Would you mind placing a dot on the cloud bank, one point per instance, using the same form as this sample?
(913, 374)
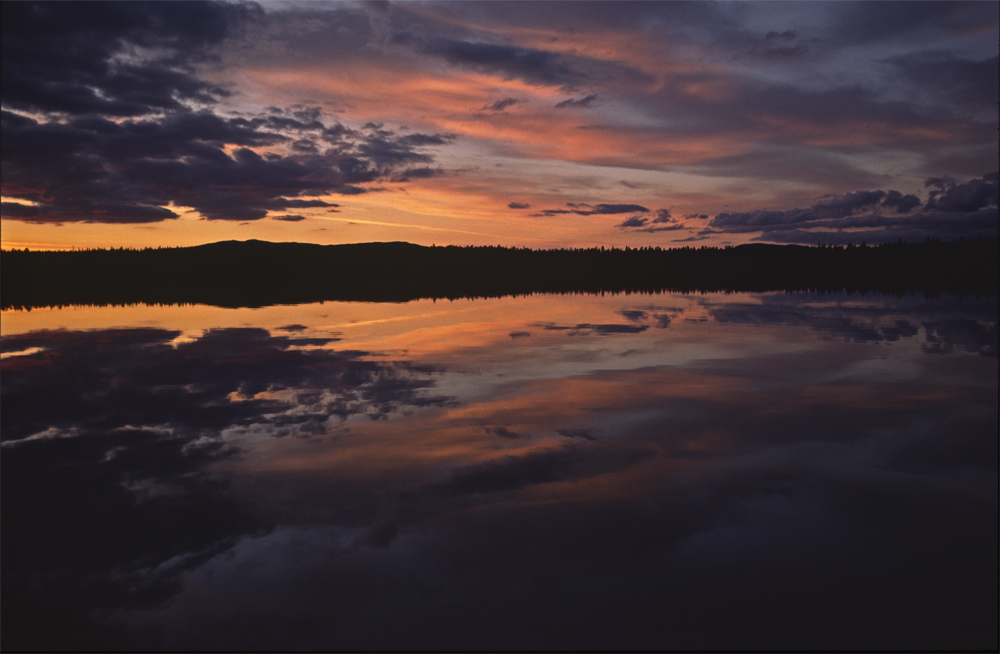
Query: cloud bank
(106, 120)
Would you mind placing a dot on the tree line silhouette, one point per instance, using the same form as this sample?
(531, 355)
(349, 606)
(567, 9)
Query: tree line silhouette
(258, 273)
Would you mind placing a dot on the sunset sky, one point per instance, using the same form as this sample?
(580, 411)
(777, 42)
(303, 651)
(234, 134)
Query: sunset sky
(515, 123)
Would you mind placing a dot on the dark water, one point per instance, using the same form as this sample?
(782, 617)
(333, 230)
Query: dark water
(555, 472)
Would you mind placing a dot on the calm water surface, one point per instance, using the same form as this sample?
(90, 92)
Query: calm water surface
(557, 472)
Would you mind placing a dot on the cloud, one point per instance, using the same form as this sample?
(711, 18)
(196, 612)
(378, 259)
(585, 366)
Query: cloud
(967, 83)
(948, 195)
(663, 216)
(633, 221)
(192, 385)
(502, 432)
(518, 205)
(916, 228)
(662, 222)
(778, 45)
(582, 209)
(865, 24)
(582, 103)
(513, 472)
(634, 315)
(538, 67)
(291, 218)
(605, 209)
(120, 126)
(387, 148)
(949, 335)
(952, 210)
(943, 330)
(67, 58)
(588, 328)
(96, 170)
(500, 105)
(898, 202)
(585, 434)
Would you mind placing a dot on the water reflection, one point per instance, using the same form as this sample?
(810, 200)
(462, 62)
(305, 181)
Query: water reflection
(558, 472)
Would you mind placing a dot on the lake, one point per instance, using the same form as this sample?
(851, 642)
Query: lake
(651, 471)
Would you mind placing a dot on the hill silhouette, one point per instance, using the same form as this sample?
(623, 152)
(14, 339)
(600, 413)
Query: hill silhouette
(259, 273)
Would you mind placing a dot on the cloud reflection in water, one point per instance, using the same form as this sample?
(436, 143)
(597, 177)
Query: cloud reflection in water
(752, 472)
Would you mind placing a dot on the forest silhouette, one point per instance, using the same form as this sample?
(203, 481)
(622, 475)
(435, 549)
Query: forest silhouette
(259, 273)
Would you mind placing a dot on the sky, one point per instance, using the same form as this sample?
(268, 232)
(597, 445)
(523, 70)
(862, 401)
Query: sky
(529, 124)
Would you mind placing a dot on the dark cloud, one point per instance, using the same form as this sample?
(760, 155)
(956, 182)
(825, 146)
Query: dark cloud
(284, 203)
(419, 172)
(964, 82)
(898, 202)
(633, 221)
(662, 321)
(774, 119)
(662, 222)
(918, 228)
(866, 22)
(288, 217)
(837, 107)
(514, 472)
(778, 45)
(602, 209)
(952, 210)
(947, 326)
(634, 315)
(948, 335)
(787, 35)
(582, 209)
(663, 216)
(533, 66)
(96, 170)
(856, 327)
(500, 105)
(585, 434)
(480, 50)
(65, 64)
(387, 148)
(948, 195)
(648, 316)
(588, 328)
(782, 160)
(518, 205)
(63, 57)
(117, 378)
(582, 103)
(502, 432)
